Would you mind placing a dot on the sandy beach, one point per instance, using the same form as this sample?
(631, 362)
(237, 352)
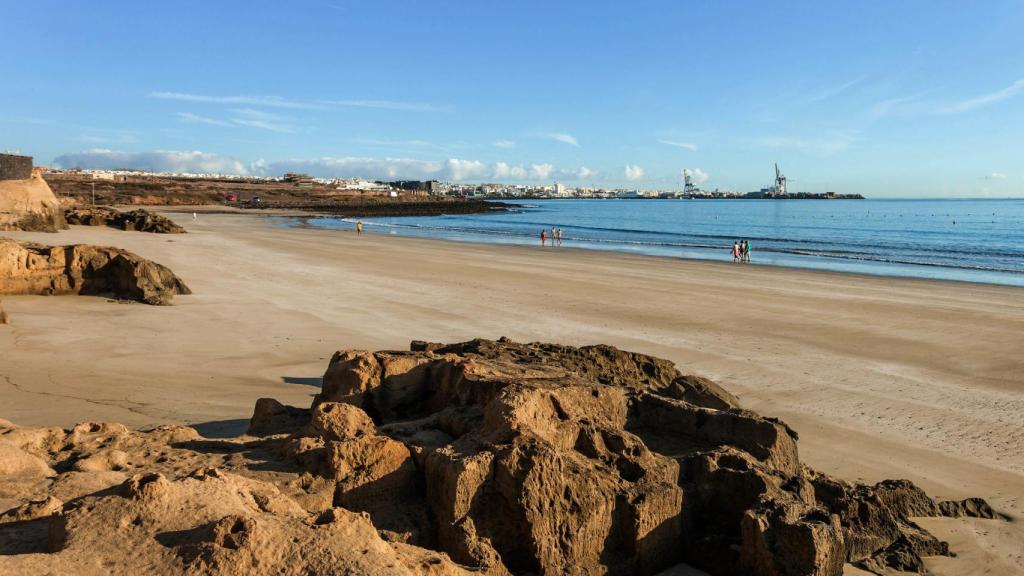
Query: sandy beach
(882, 377)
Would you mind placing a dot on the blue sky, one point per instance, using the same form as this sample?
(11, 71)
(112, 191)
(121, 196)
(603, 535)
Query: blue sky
(882, 98)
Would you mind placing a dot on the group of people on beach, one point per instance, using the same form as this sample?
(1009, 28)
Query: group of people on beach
(556, 236)
(741, 251)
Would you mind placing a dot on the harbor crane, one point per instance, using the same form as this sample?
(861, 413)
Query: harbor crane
(780, 182)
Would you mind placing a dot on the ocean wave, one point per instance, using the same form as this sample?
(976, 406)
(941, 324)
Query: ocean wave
(951, 258)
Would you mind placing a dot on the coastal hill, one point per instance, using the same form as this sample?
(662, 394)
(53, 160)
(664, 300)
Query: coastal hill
(482, 457)
(84, 188)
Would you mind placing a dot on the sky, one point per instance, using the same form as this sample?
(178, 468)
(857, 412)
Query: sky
(886, 99)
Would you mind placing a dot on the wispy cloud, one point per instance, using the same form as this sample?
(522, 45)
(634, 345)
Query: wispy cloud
(916, 105)
(833, 91)
(197, 119)
(685, 145)
(386, 105)
(985, 99)
(996, 176)
(894, 106)
(262, 120)
(504, 143)
(279, 102)
(823, 146)
(563, 138)
(633, 172)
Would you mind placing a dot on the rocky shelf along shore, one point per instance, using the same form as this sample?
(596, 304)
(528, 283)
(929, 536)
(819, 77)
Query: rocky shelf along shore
(29, 268)
(483, 457)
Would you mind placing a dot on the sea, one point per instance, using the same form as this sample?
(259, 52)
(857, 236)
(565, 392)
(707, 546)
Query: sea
(965, 240)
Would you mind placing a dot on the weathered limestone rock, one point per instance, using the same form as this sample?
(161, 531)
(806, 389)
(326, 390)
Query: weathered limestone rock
(504, 458)
(271, 417)
(350, 374)
(336, 421)
(139, 220)
(27, 268)
(29, 205)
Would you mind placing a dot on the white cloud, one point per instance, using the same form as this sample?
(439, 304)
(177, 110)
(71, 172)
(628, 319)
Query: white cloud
(243, 117)
(633, 172)
(686, 145)
(697, 175)
(837, 142)
(541, 171)
(504, 143)
(563, 138)
(834, 91)
(406, 168)
(985, 99)
(263, 120)
(279, 102)
(996, 176)
(457, 169)
(915, 105)
(894, 106)
(197, 119)
(584, 172)
(157, 161)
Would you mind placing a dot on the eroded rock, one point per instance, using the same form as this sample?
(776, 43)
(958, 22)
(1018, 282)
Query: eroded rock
(28, 268)
(29, 205)
(139, 220)
(501, 457)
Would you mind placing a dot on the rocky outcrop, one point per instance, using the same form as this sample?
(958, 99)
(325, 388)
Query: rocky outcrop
(139, 220)
(487, 457)
(27, 268)
(29, 205)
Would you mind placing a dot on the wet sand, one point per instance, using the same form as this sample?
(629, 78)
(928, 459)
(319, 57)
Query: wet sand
(882, 377)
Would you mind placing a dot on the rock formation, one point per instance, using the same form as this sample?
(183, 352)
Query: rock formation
(27, 268)
(139, 220)
(29, 205)
(482, 457)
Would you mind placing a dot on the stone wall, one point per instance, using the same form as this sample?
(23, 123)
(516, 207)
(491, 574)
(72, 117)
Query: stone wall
(14, 167)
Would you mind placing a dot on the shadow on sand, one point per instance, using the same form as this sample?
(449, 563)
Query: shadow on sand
(222, 428)
(304, 381)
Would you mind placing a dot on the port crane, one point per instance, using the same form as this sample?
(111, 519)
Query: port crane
(780, 182)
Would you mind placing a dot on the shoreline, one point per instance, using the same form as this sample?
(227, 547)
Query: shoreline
(723, 261)
(882, 377)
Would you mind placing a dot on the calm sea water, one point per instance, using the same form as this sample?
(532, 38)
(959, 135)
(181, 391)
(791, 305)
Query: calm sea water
(971, 240)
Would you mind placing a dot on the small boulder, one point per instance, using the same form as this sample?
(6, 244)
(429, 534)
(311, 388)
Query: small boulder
(271, 417)
(339, 421)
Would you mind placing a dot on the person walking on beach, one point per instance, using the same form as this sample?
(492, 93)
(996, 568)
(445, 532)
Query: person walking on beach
(359, 227)
(553, 236)
(559, 236)
(544, 236)
(745, 249)
(736, 251)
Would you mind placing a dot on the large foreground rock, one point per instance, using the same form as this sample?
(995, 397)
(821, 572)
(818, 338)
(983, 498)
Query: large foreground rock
(27, 268)
(139, 220)
(482, 457)
(29, 205)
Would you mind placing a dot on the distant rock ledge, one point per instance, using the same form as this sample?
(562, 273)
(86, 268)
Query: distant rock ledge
(29, 268)
(139, 220)
(484, 457)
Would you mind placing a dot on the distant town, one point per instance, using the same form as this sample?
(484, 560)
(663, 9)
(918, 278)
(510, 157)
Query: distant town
(487, 190)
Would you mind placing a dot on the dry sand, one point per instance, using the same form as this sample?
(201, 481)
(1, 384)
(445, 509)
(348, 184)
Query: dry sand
(882, 377)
